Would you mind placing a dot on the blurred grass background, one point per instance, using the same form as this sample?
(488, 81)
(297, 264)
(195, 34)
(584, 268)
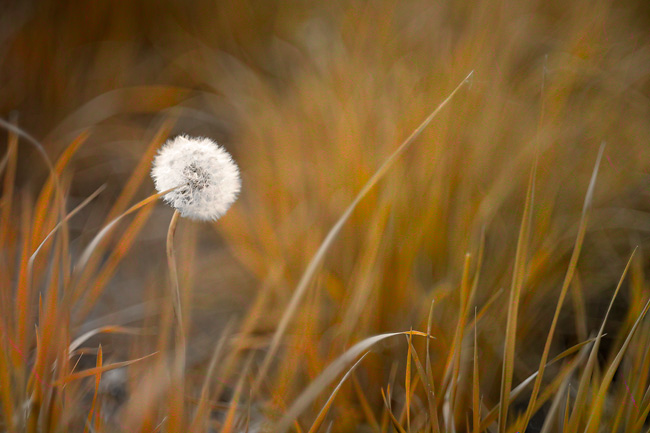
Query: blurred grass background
(311, 97)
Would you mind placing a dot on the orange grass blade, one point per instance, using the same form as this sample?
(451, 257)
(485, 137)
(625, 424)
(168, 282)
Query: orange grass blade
(407, 385)
(328, 375)
(140, 172)
(433, 414)
(24, 295)
(458, 337)
(98, 370)
(398, 427)
(485, 307)
(573, 262)
(581, 396)
(323, 413)
(599, 400)
(7, 318)
(6, 201)
(229, 423)
(6, 398)
(413, 387)
(85, 256)
(476, 410)
(433, 406)
(103, 330)
(320, 254)
(492, 415)
(564, 388)
(83, 204)
(93, 406)
(40, 149)
(365, 406)
(255, 312)
(126, 240)
(513, 303)
(44, 198)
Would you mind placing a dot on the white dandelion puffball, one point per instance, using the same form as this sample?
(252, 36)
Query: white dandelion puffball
(206, 176)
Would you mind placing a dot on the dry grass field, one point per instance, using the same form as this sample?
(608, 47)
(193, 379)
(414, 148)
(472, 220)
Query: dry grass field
(443, 225)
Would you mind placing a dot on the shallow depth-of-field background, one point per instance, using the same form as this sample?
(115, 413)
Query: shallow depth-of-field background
(480, 215)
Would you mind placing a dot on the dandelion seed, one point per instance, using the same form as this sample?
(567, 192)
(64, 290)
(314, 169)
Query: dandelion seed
(206, 176)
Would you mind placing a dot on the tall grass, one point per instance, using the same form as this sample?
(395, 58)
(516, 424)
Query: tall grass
(487, 275)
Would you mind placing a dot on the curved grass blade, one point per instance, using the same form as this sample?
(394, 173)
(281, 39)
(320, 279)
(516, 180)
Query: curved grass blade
(328, 375)
(303, 284)
(107, 228)
(103, 330)
(97, 370)
(76, 210)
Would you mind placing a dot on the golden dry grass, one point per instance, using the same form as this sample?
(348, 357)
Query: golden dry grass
(488, 274)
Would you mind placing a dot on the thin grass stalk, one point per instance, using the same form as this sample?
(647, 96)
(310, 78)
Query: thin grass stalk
(329, 374)
(513, 303)
(365, 406)
(560, 394)
(394, 420)
(593, 356)
(94, 407)
(59, 204)
(255, 312)
(596, 408)
(323, 412)
(76, 210)
(306, 278)
(516, 392)
(476, 410)
(433, 405)
(458, 340)
(407, 384)
(92, 246)
(6, 398)
(43, 202)
(432, 414)
(230, 421)
(573, 262)
(100, 278)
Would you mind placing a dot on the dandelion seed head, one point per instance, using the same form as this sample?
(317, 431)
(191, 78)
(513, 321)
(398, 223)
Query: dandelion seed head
(206, 176)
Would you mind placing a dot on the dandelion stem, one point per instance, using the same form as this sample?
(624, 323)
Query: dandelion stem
(173, 279)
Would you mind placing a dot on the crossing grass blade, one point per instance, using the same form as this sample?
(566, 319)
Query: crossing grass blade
(580, 400)
(396, 423)
(596, 410)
